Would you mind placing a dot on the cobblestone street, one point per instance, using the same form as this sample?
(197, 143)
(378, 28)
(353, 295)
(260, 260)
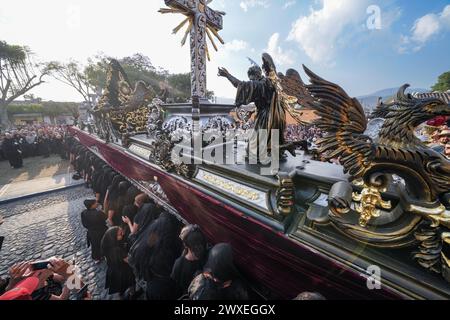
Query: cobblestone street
(50, 225)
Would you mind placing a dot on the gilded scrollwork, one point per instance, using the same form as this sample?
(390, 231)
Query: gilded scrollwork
(425, 174)
(369, 200)
(232, 187)
(285, 194)
(121, 111)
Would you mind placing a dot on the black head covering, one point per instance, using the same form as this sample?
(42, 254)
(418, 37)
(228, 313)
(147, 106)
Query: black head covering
(194, 239)
(123, 187)
(114, 186)
(89, 202)
(132, 192)
(107, 179)
(98, 164)
(167, 245)
(156, 248)
(220, 262)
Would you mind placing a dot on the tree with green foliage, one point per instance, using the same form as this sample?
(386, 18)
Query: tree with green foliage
(443, 83)
(46, 108)
(18, 75)
(89, 81)
(139, 67)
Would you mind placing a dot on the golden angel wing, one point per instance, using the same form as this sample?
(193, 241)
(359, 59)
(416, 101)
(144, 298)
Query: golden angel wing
(344, 121)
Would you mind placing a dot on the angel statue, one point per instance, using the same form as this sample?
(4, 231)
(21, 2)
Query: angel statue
(272, 101)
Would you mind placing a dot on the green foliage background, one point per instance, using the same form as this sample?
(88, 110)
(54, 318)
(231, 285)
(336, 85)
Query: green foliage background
(443, 83)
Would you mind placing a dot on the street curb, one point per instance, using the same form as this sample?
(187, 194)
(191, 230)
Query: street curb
(31, 195)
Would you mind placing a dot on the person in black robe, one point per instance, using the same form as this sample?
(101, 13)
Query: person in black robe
(111, 196)
(161, 286)
(12, 152)
(96, 176)
(43, 145)
(193, 258)
(164, 246)
(117, 204)
(119, 275)
(148, 211)
(156, 246)
(90, 169)
(145, 212)
(220, 280)
(129, 211)
(132, 192)
(94, 221)
(105, 181)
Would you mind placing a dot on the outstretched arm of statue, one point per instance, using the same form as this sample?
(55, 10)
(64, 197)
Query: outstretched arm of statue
(224, 73)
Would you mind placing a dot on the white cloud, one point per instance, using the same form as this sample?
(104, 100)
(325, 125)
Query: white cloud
(280, 56)
(288, 4)
(236, 45)
(248, 4)
(425, 28)
(445, 15)
(318, 33)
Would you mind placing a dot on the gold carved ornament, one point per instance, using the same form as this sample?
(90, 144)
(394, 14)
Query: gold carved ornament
(240, 191)
(369, 200)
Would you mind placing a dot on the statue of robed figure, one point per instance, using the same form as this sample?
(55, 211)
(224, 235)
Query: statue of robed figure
(271, 101)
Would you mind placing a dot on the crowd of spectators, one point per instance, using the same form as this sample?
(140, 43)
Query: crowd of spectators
(31, 141)
(148, 252)
(436, 134)
(300, 132)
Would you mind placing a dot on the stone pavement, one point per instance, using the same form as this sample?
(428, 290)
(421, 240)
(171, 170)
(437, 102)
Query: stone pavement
(45, 226)
(37, 175)
(22, 188)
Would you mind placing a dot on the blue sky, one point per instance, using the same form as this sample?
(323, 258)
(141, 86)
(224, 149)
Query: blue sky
(338, 39)
(361, 60)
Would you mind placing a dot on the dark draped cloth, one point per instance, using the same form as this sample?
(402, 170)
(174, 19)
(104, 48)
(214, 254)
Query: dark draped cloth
(44, 146)
(162, 288)
(184, 271)
(12, 152)
(28, 149)
(270, 113)
(220, 279)
(105, 181)
(119, 275)
(146, 214)
(96, 180)
(156, 247)
(94, 221)
(130, 211)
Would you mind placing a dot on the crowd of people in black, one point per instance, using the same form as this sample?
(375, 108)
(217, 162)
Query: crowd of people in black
(149, 253)
(31, 141)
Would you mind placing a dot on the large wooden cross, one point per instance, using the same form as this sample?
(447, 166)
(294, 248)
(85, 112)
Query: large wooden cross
(203, 22)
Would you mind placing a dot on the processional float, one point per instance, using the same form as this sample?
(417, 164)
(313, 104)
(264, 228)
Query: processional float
(375, 226)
